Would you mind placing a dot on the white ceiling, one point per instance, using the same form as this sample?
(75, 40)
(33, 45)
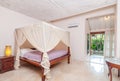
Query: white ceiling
(49, 10)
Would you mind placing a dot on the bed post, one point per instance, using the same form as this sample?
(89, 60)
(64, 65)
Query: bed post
(69, 55)
(42, 69)
(43, 76)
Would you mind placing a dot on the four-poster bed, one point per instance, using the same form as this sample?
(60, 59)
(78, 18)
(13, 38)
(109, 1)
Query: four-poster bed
(43, 37)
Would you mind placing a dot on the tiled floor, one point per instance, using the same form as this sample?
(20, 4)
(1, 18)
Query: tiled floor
(92, 70)
(96, 59)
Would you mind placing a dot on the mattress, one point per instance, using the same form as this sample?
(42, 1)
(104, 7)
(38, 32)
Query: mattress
(36, 55)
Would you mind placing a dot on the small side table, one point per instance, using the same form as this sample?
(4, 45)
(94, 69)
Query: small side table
(113, 63)
(118, 73)
(6, 63)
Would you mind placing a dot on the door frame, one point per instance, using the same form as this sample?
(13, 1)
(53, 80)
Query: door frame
(91, 33)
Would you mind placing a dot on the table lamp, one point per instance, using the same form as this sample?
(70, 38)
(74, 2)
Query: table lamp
(8, 50)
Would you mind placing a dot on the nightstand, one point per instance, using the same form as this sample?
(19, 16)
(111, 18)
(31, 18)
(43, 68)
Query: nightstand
(6, 63)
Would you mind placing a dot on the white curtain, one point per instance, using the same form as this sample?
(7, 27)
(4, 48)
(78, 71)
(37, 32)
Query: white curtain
(19, 40)
(109, 43)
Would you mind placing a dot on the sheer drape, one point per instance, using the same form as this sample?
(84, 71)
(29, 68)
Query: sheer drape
(19, 40)
(109, 43)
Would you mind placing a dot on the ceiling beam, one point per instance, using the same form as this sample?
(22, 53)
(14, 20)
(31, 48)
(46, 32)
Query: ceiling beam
(92, 10)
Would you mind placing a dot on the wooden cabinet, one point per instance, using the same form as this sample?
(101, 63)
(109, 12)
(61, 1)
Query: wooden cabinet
(6, 63)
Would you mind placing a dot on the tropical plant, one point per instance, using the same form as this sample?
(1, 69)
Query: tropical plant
(97, 42)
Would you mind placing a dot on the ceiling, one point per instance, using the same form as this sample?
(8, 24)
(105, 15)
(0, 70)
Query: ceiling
(49, 10)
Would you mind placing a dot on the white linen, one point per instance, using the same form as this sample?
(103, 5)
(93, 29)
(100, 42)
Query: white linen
(25, 50)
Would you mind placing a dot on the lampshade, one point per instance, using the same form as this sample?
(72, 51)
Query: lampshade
(8, 50)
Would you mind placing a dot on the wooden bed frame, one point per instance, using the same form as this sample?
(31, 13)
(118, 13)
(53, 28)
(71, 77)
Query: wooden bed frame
(52, 62)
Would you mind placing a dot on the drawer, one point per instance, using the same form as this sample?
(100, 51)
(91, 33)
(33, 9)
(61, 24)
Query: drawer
(8, 65)
(7, 60)
(6, 69)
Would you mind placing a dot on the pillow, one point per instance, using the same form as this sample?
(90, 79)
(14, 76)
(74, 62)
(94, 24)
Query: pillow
(25, 50)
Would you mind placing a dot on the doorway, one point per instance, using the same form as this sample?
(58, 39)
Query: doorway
(97, 43)
(95, 47)
(100, 38)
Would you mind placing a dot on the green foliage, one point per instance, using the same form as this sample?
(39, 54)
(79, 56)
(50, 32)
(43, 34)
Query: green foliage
(97, 43)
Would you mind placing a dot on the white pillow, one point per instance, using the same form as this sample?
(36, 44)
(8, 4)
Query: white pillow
(25, 50)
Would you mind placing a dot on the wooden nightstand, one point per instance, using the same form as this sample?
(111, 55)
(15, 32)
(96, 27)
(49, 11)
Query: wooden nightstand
(6, 63)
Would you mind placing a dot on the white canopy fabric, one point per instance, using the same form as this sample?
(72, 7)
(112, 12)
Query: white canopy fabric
(44, 37)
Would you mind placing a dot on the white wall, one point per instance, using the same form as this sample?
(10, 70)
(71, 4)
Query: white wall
(78, 35)
(118, 29)
(9, 20)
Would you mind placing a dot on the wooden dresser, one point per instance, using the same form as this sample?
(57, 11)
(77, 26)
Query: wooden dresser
(6, 63)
